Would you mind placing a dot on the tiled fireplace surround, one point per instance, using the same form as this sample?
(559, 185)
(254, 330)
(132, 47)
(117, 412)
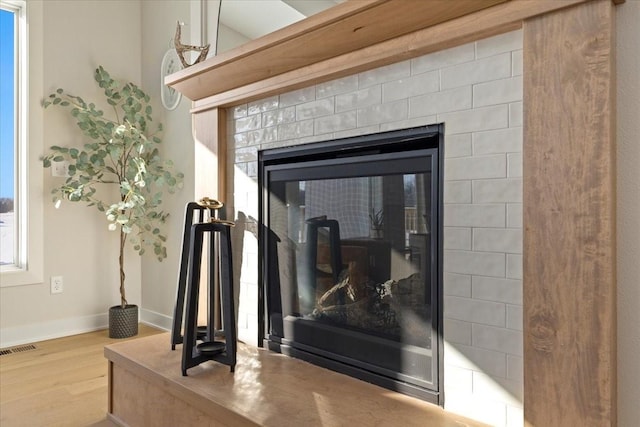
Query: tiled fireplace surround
(476, 91)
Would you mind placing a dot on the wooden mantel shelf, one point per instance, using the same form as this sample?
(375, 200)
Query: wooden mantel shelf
(344, 28)
(349, 38)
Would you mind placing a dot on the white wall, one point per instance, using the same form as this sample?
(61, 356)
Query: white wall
(74, 37)
(159, 279)
(129, 38)
(228, 39)
(628, 61)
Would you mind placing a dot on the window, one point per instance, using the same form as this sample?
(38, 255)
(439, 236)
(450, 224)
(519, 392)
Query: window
(8, 140)
(20, 176)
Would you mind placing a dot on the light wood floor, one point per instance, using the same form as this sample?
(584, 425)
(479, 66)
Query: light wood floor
(63, 382)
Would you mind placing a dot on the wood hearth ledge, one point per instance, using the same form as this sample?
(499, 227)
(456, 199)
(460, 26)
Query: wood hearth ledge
(569, 279)
(267, 389)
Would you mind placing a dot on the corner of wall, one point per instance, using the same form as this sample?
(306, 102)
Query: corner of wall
(628, 210)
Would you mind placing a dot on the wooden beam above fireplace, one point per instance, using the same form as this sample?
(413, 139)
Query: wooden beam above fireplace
(345, 28)
(306, 53)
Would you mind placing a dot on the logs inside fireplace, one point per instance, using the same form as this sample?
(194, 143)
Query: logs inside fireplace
(351, 256)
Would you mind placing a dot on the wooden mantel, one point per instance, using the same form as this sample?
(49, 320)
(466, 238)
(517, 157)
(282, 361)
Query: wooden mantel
(569, 162)
(345, 28)
(351, 37)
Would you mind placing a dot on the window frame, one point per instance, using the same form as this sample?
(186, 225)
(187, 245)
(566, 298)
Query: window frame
(28, 256)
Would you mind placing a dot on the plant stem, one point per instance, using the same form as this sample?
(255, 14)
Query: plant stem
(123, 239)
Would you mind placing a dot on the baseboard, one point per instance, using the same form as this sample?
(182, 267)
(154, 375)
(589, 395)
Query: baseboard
(155, 319)
(12, 336)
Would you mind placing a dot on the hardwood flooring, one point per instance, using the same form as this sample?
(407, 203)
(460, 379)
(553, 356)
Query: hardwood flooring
(63, 382)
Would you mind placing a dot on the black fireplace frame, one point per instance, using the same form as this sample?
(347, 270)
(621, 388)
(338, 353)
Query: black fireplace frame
(379, 143)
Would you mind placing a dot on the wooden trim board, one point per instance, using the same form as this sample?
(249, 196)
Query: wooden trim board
(488, 22)
(345, 28)
(569, 218)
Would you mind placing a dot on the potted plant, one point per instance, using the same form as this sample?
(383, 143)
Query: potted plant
(121, 151)
(376, 223)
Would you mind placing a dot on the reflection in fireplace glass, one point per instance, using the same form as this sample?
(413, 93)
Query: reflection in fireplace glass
(349, 272)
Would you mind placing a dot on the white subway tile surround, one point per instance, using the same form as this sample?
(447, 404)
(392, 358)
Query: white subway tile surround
(476, 91)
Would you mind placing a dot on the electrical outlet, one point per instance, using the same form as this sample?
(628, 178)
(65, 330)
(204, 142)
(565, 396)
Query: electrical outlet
(56, 284)
(60, 168)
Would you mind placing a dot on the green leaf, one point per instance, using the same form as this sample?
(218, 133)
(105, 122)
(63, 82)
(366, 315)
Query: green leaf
(118, 151)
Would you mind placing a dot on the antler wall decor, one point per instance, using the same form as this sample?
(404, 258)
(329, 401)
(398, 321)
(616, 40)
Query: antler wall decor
(182, 48)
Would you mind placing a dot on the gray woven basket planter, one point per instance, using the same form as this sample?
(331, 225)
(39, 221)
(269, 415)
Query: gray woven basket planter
(123, 322)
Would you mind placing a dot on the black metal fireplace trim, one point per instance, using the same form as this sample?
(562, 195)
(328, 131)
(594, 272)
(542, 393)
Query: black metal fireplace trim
(347, 147)
(284, 347)
(378, 143)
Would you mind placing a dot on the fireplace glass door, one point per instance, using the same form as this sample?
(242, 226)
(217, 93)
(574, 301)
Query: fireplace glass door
(351, 260)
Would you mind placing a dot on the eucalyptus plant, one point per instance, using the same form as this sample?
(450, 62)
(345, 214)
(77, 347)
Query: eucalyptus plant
(121, 150)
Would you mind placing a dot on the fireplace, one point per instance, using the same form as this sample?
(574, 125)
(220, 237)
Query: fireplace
(564, 132)
(351, 256)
